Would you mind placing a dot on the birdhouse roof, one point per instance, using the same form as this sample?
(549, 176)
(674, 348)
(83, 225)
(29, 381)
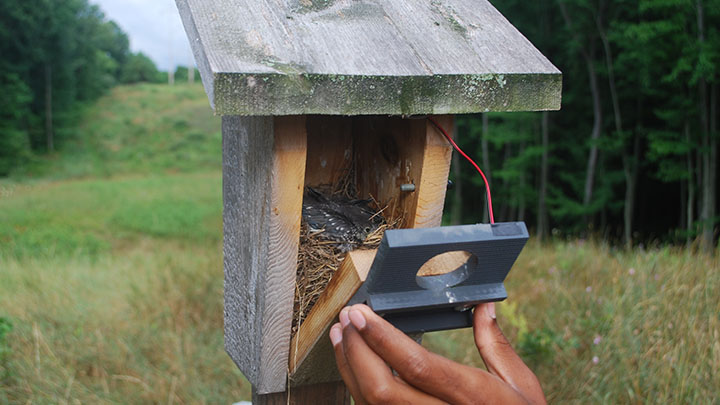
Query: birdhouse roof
(352, 57)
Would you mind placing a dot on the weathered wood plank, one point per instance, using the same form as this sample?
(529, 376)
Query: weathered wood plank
(246, 171)
(263, 177)
(391, 151)
(330, 148)
(433, 176)
(277, 57)
(288, 179)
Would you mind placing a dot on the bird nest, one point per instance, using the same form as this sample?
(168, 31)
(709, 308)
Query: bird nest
(319, 259)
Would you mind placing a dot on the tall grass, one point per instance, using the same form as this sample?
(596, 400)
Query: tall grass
(144, 326)
(610, 326)
(114, 292)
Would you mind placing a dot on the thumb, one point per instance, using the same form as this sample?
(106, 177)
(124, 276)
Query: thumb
(499, 357)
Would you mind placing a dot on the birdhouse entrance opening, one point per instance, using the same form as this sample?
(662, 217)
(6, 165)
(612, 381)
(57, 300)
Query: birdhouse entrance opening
(363, 175)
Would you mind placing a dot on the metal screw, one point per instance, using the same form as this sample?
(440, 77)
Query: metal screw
(407, 187)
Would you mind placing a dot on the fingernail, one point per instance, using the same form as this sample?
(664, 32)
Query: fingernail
(357, 319)
(344, 320)
(490, 309)
(336, 334)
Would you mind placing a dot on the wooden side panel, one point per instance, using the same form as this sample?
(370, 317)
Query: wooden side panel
(389, 153)
(437, 155)
(263, 175)
(395, 151)
(288, 178)
(444, 263)
(247, 141)
(329, 154)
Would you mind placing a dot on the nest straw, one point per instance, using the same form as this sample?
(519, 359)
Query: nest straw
(319, 259)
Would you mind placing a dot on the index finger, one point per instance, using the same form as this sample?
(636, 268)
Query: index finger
(433, 374)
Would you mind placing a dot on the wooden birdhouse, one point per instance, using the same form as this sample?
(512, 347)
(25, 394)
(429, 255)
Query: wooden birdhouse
(311, 90)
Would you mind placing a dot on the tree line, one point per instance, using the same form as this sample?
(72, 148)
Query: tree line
(54, 57)
(632, 155)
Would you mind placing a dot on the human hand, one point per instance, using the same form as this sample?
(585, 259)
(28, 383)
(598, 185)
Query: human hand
(367, 347)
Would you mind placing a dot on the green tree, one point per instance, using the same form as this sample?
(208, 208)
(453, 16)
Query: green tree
(181, 74)
(641, 78)
(139, 68)
(14, 143)
(55, 56)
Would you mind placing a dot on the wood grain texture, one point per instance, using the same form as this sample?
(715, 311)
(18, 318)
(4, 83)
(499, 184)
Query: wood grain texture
(312, 334)
(433, 178)
(333, 393)
(278, 57)
(263, 177)
(392, 151)
(287, 185)
(389, 152)
(246, 227)
(330, 146)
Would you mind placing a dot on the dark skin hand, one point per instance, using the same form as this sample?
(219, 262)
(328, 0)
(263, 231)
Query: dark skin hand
(368, 348)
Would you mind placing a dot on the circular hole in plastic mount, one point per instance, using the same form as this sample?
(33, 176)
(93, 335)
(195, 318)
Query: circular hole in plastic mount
(446, 270)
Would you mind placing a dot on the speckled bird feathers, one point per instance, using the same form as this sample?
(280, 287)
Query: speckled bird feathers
(339, 219)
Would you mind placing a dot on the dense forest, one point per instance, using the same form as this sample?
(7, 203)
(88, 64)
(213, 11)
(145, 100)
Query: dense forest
(56, 56)
(632, 155)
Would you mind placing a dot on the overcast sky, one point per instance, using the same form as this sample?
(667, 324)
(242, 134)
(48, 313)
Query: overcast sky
(154, 28)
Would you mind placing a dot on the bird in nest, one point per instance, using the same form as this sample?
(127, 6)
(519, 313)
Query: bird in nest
(339, 219)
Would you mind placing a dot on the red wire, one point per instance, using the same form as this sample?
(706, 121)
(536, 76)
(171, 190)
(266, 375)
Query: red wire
(457, 148)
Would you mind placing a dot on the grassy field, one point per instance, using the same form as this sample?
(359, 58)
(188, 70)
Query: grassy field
(111, 281)
(138, 129)
(605, 326)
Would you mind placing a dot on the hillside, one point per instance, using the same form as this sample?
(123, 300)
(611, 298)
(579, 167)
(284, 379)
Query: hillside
(142, 128)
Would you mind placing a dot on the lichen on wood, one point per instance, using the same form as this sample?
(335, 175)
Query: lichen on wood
(362, 57)
(295, 94)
